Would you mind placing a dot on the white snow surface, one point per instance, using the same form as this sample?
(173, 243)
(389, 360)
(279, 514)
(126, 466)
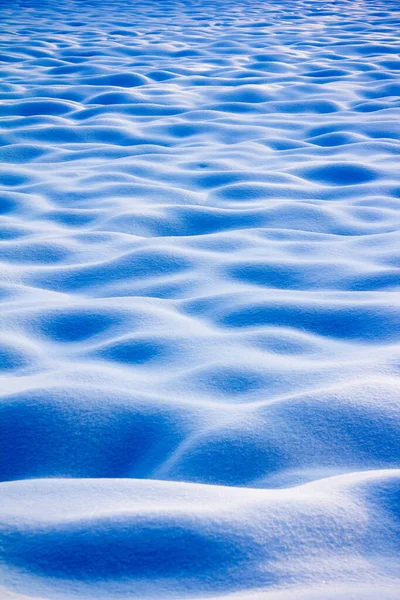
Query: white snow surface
(200, 308)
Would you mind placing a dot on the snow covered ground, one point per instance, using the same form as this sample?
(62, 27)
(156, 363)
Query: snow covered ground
(200, 308)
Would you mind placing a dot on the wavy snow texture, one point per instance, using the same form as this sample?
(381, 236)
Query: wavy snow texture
(200, 317)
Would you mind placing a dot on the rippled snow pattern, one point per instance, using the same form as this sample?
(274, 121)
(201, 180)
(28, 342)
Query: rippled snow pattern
(200, 309)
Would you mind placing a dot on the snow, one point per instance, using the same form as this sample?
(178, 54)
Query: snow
(200, 308)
